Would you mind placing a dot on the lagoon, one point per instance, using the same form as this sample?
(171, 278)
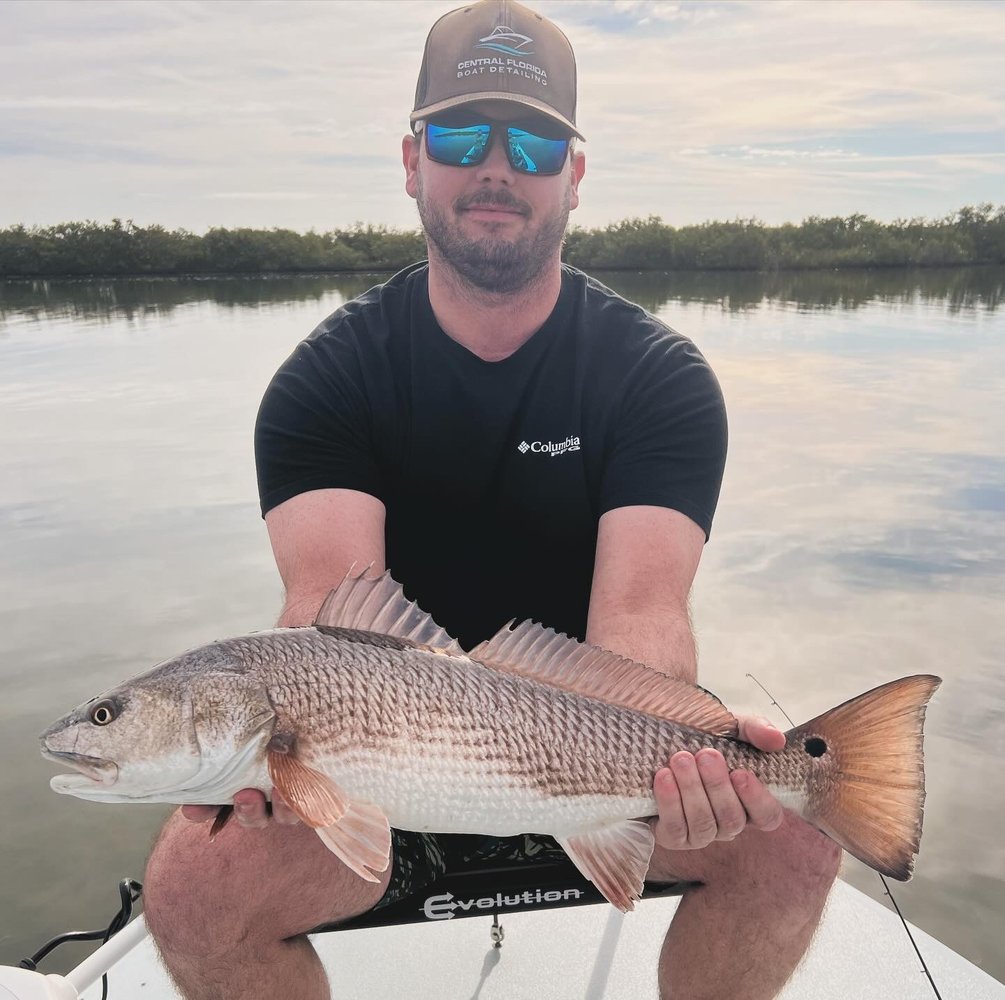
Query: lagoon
(860, 533)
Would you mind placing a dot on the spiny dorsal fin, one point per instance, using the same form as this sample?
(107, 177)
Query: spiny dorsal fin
(379, 604)
(544, 655)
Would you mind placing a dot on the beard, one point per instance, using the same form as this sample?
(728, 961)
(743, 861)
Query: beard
(493, 263)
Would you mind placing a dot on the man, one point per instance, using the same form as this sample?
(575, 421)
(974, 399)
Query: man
(512, 440)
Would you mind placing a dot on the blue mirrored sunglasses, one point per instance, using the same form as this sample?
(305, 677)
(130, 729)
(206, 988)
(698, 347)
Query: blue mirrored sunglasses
(464, 145)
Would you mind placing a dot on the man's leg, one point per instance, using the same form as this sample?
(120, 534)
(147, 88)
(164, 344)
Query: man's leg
(230, 917)
(743, 931)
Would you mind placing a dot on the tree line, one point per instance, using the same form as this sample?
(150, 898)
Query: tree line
(971, 235)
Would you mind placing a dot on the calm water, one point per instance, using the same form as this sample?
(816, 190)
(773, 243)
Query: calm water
(860, 534)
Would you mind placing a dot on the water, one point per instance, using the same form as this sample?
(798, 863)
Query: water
(860, 534)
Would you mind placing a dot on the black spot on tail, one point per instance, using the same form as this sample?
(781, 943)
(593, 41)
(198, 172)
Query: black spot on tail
(815, 746)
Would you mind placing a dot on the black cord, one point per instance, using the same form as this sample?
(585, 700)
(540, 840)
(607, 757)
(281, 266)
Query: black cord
(129, 892)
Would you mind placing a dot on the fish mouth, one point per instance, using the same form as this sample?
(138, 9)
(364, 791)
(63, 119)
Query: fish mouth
(89, 771)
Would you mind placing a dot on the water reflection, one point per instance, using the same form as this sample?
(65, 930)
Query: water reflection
(958, 289)
(860, 534)
(899, 558)
(145, 298)
(736, 291)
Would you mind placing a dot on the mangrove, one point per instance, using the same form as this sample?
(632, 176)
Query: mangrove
(971, 235)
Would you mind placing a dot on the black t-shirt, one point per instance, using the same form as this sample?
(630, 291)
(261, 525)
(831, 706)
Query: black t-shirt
(495, 474)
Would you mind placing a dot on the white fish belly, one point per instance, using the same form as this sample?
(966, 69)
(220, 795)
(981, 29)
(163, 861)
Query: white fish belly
(790, 798)
(444, 793)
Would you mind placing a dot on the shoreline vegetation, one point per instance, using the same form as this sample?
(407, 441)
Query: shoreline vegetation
(970, 236)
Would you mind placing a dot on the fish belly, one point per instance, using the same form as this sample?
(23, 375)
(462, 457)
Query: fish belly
(447, 794)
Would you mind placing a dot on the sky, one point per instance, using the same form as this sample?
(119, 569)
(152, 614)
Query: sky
(192, 114)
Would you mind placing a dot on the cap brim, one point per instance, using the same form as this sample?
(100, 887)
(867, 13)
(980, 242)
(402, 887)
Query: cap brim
(495, 95)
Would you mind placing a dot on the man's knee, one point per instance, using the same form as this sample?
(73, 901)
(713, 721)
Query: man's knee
(796, 855)
(186, 887)
(795, 859)
(246, 886)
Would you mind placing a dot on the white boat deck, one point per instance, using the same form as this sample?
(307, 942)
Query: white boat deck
(861, 952)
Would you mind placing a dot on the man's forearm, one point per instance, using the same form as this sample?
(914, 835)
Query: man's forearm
(300, 610)
(664, 641)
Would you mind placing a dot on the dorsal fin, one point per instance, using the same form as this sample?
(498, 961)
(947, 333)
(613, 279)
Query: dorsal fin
(544, 655)
(378, 604)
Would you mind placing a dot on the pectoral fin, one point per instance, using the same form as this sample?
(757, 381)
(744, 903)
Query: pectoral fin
(357, 833)
(614, 859)
(313, 796)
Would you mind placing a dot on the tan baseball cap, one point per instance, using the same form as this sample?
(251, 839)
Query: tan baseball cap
(497, 50)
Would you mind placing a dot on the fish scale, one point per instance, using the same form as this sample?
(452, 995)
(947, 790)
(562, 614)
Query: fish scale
(571, 746)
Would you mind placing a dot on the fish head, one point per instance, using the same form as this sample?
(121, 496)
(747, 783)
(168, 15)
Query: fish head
(111, 740)
(164, 736)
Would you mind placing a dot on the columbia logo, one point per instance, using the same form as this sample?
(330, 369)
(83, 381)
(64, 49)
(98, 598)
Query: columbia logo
(551, 448)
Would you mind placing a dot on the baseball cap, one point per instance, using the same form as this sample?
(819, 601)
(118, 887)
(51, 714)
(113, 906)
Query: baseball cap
(497, 50)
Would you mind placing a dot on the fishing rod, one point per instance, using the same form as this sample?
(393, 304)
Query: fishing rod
(886, 887)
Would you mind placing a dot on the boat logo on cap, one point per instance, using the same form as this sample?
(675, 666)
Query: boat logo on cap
(502, 35)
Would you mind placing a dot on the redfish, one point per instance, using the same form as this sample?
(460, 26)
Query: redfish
(373, 718)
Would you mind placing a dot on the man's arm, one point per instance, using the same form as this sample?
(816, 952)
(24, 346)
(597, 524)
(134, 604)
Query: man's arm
(645, 564)
(316, 537)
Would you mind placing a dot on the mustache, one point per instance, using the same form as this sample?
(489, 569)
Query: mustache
(498, 199)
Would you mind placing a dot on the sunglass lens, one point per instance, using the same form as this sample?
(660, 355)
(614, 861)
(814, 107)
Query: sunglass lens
(536, 154)
(457, 146)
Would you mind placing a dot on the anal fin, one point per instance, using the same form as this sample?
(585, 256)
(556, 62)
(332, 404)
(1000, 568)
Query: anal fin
(615, 859)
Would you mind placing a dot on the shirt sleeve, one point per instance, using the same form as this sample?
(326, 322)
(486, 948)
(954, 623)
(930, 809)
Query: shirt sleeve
(669, 443)
(313, 429)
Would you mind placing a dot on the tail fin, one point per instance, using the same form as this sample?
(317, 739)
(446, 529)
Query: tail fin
(871, 801)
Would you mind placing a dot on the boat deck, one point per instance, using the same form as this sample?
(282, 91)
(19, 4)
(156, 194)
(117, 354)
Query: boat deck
(594, 952)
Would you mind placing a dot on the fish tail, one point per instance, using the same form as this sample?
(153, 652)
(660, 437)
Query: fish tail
(869, 796)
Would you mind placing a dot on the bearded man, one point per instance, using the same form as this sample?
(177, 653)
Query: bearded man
(512, 440)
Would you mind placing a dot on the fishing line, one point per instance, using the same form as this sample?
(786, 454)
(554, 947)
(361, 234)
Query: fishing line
(886, 887)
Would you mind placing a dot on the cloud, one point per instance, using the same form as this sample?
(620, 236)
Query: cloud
(772, 153)
(68, 151)
(692, 111)
(262, 195)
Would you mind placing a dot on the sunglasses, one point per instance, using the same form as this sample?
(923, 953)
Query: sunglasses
(460, 144)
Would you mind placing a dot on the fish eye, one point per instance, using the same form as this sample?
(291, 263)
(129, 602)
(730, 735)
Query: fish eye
(102, 713)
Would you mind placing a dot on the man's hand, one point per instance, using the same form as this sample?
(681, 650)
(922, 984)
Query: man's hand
(250, 810)
(700, 801)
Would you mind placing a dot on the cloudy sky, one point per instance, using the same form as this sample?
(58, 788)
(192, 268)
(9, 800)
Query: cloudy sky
(195, 113)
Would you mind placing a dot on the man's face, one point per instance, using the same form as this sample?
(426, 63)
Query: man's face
(495, 226)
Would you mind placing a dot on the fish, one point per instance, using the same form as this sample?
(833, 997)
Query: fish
(373, 717)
